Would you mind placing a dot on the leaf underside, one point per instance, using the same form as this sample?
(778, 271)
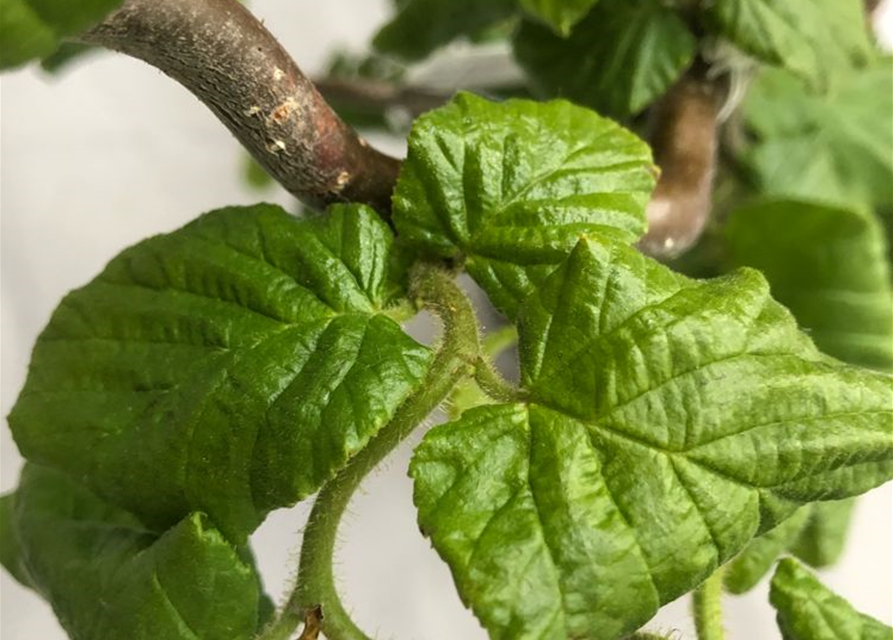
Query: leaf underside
(668, 422)
(819, 40)
(828, 265)
(807, 610)
(78, 551)
(560, 15)
(821, 542)
(618, 60)
(824, 147)
(750, 566)
(422, 26)
(231, 367)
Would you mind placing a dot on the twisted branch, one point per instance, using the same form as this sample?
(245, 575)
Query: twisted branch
(220, 52)
(684, 140)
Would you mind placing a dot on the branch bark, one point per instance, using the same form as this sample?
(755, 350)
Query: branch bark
(220, 52)
(684, 141)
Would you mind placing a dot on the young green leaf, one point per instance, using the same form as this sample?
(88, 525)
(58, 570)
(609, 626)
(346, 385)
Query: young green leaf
(108, 578)
(821, 542)
(807, 610)
(624, 55)
(829, 267)
(35, 28)
(231, 367)
(421, 26)
(824, 147)
(819, 40)
(560, 15)
(667, 423)
(510, 188)
(747, 568)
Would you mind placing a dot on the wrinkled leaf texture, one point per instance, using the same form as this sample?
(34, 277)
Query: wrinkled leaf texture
(666, 423)
(509, 188)
(230, 367)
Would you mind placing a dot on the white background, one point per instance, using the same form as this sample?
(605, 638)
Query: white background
(112, 152)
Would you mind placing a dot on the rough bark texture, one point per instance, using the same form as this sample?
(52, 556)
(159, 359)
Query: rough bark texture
(684, 141)
(225, 56)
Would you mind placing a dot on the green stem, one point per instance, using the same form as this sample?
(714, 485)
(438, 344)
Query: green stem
(487, 377)
(435, 289)
(493, 384)
(707, 605)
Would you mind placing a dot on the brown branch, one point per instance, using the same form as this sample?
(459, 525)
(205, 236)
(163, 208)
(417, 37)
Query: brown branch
(220, 52)
(684, 141)
(312, 624)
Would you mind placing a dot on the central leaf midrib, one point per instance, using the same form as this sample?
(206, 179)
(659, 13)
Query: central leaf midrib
(542, 527)
(156, 582)
(265, 259)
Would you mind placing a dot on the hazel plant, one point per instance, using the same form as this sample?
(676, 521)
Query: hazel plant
(704, 325)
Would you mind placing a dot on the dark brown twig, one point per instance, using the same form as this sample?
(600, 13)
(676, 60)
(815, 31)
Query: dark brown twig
(220, 52)
(312, 624)
(871, 6)
(684, 140)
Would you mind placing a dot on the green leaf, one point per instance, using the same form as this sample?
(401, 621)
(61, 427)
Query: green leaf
(826, 147)
(819, 40)
(81, 553)
(255, 176)
(11, 556)
(821, 542)
(807, 610)
(667, 422)
(35, 28)
(510, 187)
(624, 55)
(231, 367)
(66, 55)
(421, 26)
(829, 267)
(747, 568)
(560, 15)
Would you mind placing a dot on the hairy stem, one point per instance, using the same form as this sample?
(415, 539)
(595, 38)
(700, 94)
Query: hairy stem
(220, 52)
(707, 606)
(493, 384)
(315, 589)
